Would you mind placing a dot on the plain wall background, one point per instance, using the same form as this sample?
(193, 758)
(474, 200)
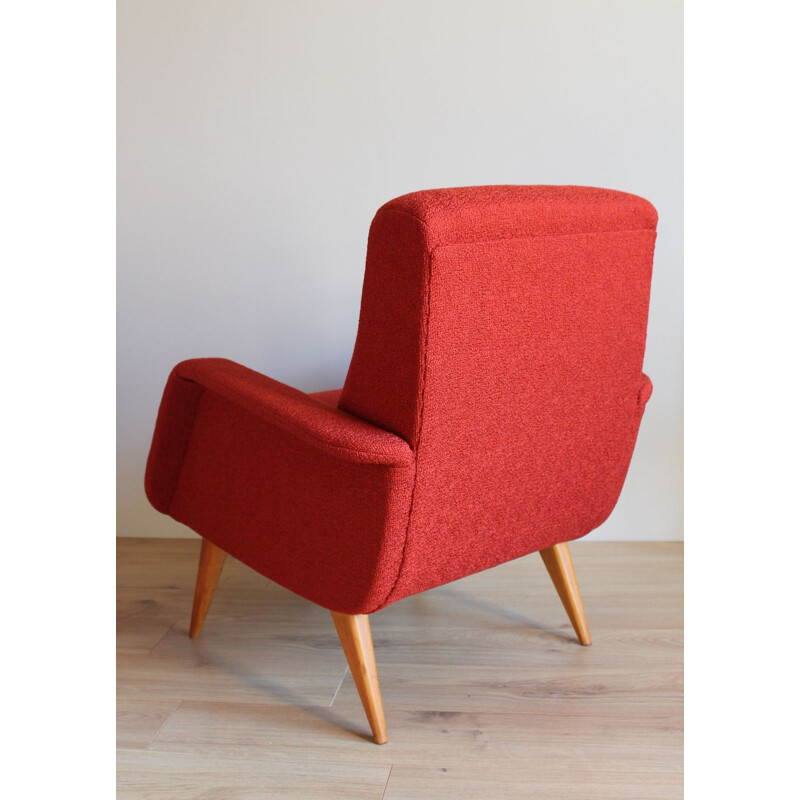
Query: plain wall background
(256, 139)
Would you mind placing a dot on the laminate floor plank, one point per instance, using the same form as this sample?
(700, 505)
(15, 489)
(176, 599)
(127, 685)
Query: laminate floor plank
(564, 780)
(167, 776)
(594, 730)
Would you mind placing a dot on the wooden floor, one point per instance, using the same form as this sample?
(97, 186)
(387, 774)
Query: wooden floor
(487, 692)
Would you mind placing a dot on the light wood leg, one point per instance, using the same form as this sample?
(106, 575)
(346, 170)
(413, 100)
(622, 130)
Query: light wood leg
(559, 564)
(356, 639)
(211, 560)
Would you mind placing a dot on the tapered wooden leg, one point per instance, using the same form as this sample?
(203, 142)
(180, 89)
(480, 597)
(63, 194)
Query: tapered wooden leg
(356, 639)
(559, 564)
(211, 560)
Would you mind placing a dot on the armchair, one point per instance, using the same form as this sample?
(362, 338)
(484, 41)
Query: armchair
(490, 411)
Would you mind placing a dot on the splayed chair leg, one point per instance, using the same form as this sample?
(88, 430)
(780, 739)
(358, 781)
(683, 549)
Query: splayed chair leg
(558, 561)
(211, 560)
(356, 638)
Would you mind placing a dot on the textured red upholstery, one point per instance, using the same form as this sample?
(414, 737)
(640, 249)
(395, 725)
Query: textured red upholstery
(330, 397)
(490, 410)
(306, 494)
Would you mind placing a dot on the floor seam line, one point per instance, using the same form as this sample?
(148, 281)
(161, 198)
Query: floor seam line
(166, 633)
(163, 725)
(386, 785)
(336, 693)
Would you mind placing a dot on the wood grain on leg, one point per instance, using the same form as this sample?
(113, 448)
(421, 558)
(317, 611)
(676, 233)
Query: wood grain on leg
(558, 561)
(211, 560)
(356, 638)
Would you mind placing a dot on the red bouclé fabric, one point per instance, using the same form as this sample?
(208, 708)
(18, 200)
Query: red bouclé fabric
(490, 410)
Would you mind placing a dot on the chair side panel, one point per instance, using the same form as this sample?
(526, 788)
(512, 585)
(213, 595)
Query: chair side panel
(328, 528)
(384, 381)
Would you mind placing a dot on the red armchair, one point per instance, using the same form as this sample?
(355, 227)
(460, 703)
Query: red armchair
(490, 411)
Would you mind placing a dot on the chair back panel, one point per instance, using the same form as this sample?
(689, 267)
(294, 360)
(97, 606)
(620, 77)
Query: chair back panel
(502, 334)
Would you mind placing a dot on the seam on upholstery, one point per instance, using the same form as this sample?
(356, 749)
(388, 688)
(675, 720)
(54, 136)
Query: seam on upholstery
(186, 449)
(296, 430)
(514, 235)
(541, 236)
(418, 432)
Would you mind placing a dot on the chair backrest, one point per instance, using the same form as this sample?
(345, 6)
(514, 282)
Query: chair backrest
(502, 333)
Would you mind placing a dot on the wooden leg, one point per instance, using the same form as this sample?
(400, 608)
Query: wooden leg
(211, 560)
(559, 564)
(356, 639)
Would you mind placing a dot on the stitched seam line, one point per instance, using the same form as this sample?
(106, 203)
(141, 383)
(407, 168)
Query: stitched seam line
(294, 428)
(513, 236)
(542, 236)
(429, 259)
(186, 449)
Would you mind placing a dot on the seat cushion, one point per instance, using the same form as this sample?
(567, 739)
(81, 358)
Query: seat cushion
(329, 397)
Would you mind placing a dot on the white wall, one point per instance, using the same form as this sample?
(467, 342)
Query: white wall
(257, 138)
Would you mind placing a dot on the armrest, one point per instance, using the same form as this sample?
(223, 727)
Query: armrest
(645, 390)
(283, 482)
(297, 413)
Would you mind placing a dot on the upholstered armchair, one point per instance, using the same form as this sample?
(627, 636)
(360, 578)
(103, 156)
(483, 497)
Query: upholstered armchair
(490, 410)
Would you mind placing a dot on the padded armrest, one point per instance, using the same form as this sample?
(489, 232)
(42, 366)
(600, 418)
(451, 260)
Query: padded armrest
(645, 390)
(327, 430)
(297, 413)
(282, 481)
